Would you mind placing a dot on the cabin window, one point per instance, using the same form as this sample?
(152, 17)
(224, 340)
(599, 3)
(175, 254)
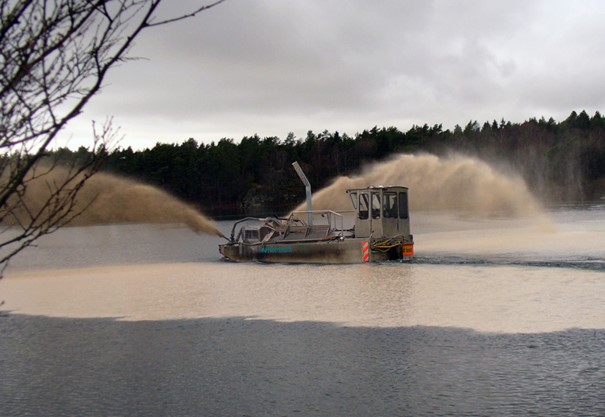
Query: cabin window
(375, 205)
(251, 235)
(354, 199)
(389, 205)
(403, 205)
(364, 204)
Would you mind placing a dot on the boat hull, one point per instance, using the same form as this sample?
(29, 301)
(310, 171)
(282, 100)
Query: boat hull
(339, 251)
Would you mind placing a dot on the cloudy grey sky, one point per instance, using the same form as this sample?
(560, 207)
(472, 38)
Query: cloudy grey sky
(272, 67)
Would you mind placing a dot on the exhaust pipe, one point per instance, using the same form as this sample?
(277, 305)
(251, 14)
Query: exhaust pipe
(305, 181)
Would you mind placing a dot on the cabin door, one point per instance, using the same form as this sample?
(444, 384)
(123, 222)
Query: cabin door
(389, 214)
(363, 220)
(404, 214)
(376, 214)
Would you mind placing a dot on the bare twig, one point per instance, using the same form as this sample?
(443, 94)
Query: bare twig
(54, 58)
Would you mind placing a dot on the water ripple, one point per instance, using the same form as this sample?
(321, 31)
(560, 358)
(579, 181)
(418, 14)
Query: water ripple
(235, 366)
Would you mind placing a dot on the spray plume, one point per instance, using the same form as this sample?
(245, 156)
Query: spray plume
(455, 183)
(118, 200)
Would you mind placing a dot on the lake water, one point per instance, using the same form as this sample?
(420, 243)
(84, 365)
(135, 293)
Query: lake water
(493, 317)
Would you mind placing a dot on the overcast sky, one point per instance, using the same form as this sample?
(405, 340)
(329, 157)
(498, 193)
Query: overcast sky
(270, 67)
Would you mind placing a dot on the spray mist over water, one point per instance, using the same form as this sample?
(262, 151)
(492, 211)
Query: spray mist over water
(118, 200)
(465, 208)
(457, 183)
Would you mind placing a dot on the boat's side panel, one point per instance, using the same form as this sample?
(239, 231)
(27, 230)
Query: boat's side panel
(346, 251)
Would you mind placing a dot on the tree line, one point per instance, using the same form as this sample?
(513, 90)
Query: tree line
(560, 161)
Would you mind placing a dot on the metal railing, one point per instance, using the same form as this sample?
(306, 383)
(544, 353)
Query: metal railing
(335, 220)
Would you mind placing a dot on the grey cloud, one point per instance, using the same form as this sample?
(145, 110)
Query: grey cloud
(273, 66)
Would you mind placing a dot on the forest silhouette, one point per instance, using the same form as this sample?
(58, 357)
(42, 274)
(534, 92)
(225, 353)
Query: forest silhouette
(559, 161)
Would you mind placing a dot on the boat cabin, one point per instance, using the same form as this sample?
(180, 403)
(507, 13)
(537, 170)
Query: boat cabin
(381, 211)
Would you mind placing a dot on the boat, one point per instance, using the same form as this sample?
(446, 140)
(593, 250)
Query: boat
(376, 229)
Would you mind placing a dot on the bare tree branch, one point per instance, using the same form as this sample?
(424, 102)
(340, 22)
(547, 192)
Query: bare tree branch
(54, 58)
(185, 16)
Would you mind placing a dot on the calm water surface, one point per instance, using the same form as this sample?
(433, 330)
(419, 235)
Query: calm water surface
(494, 317)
